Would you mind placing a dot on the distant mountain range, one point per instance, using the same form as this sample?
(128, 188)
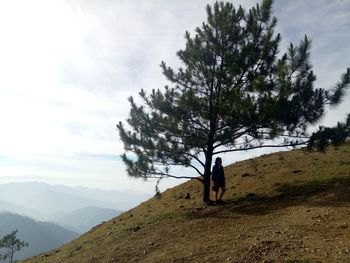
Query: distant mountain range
(6, 206)
(81, 220)
(48, 199)
(41, 236)
(76, 208)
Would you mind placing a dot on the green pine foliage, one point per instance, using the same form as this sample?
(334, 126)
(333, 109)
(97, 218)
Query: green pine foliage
(235, 92)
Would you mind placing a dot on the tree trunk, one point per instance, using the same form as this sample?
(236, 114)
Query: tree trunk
(207, 174)
(206, 187)
(11, 255)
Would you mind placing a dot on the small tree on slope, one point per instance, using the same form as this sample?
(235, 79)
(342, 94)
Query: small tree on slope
(233, 94)
(12, 244)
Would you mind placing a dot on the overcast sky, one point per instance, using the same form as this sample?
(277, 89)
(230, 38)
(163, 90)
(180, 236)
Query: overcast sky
(68, 67)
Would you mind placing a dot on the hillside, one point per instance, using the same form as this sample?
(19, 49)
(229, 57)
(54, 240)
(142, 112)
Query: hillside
(42, 236)
(283, 207)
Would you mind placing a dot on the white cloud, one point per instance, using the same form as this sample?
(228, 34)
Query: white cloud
(326, 23)
(67, 68)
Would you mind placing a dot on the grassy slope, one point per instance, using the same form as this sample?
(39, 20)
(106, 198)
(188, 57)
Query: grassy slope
(300, 213)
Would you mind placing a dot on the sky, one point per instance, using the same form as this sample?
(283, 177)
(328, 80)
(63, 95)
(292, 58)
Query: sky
(68, 67)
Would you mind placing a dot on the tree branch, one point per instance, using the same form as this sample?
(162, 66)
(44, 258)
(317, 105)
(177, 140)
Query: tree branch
(261, 146)
(161, 175)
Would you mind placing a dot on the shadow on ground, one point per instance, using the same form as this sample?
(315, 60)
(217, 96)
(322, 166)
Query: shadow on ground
(334, 192)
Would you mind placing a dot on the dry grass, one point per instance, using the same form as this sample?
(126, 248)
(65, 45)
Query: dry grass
(298, 211)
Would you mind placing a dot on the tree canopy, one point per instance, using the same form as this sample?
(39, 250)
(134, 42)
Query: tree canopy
(234, 92)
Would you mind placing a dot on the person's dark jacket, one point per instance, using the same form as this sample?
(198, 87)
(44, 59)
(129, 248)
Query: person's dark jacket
(218, 175)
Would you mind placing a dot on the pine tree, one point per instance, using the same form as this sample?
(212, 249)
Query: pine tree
(233, 93)
(12, 244)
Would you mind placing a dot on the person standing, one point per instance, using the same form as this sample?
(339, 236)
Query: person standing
(218, 177)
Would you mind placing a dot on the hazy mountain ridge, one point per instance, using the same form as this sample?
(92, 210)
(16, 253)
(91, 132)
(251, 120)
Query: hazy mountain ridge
(6, 206)
(42, 201)
(81, 220)
(42, 236)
